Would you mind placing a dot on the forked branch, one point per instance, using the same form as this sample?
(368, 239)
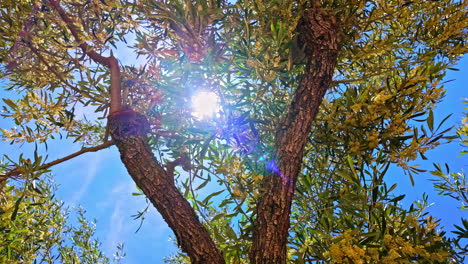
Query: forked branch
(129, 130)
(318, 32)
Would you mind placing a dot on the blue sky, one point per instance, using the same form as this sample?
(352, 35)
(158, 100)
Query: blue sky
(442, 207)
(100, 183)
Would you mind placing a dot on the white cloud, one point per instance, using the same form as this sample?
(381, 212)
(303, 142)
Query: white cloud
(122, 227)
(88, 178)
(116, 226)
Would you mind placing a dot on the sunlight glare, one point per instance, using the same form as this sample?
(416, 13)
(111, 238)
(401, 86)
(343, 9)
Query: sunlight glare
(205, 104)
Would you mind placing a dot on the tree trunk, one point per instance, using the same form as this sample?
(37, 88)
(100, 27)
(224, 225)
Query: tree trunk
(318, 32)
(128, 129)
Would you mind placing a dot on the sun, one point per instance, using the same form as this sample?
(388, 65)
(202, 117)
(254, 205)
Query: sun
(205, 104)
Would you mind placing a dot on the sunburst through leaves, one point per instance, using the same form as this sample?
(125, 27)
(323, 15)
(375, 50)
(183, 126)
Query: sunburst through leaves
(205, 104)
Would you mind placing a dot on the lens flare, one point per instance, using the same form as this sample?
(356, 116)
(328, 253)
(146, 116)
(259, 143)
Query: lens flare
(205, 104)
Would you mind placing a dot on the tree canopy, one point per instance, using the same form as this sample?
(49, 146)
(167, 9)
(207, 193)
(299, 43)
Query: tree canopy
(34, 228)
(318, 99)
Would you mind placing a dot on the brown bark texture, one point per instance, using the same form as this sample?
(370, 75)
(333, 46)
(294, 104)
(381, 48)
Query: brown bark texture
(129, 132)
(318, 32)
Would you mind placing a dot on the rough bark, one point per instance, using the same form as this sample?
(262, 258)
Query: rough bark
(128, 130)
(319, 32)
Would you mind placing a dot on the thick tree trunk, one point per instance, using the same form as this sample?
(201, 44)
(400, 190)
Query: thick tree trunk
(128, 129)
(318, 31)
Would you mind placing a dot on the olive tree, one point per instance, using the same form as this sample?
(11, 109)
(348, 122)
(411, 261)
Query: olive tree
(317, 100)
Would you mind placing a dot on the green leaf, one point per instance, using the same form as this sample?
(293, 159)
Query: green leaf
(202, 185)
(351, 166)
(217, 217)
(392, 188)
(442, 122)
(398, 198)
(430, 120)
(10, 103)
(411, 178)
(205, 201)
(15, 211)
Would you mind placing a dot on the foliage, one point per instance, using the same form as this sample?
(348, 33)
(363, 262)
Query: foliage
(454, 184)
(378, 112)
(35, 228)
(451, 184)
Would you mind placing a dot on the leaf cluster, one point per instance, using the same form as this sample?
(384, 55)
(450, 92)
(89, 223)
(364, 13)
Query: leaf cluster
(35, 227)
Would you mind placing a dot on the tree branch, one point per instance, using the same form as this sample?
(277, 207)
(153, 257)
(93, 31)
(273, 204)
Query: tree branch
(55, 72)
(17, 172)
(129, 129)
(110, 62)
(26, 28)
(318, 31)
